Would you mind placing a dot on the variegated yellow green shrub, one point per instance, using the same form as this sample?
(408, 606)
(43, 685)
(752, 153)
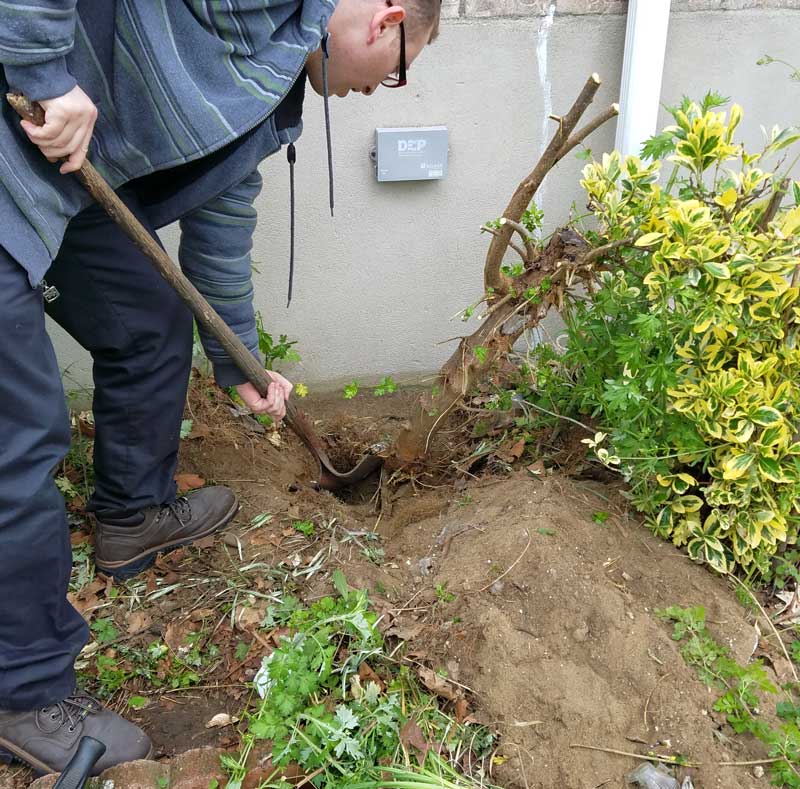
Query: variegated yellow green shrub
(688, 352)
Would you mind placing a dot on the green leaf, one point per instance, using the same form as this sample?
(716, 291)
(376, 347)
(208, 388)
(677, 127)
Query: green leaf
(658, 146)
(766, 416)
(186, 428)
(717, 270)
(648, 239)
(137, 702)
(351, 390)
(713, 101)
(771, 469)
(340, 583)
(386, 386)
(737, 466)
(480, 354)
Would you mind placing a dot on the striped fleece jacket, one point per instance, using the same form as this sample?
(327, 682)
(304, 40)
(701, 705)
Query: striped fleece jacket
(204, 89)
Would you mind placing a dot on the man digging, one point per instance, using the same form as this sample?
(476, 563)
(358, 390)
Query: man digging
(176, 103)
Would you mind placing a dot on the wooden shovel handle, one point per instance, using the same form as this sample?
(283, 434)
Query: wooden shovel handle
(203, 312)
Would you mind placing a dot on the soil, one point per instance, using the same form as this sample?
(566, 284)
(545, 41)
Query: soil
(542, 618)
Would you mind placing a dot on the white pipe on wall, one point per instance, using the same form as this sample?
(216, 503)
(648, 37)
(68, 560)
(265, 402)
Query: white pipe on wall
(642, 70)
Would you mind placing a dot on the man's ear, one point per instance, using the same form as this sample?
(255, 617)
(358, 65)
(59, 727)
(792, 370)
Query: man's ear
(388, 16)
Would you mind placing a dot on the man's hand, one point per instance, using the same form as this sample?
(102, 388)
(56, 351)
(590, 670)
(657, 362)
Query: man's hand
(68, 126)
(274, 403)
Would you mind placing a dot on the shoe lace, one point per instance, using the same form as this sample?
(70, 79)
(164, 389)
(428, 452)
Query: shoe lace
(181, 509)
(73, 709)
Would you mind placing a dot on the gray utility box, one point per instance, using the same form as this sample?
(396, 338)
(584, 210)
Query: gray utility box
(418, 153)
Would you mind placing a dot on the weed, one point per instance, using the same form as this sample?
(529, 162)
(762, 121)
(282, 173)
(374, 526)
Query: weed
(304, 527)
(320, 715)
(442, 595)
(281, 351)
(745, 690)
(386, 386)
(82, 567)
(600, 517)
(155, 664)
(374, 554)
(104, 630)
(351, 390)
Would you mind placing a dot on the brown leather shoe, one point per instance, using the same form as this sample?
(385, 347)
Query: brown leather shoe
(125, 546)
(47, 739)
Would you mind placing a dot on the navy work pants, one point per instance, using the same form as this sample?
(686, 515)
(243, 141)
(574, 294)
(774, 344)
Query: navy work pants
(140, 337)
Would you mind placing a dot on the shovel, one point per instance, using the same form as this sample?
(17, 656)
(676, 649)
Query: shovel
(329, 477)
(77, 772)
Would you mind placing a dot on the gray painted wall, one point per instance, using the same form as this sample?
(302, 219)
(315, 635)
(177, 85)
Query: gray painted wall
(375, 287)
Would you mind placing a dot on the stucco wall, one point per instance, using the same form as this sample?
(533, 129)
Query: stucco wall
(376, 286)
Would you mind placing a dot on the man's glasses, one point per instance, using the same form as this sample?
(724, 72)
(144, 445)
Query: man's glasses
(400, 80)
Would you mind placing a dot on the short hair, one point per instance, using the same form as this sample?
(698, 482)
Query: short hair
(423, 15)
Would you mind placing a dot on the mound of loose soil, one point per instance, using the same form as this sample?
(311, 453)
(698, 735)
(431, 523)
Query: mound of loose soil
(548, 617)
(541, 618)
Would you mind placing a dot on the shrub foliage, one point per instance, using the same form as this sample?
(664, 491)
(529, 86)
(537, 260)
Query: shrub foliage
(685, 351)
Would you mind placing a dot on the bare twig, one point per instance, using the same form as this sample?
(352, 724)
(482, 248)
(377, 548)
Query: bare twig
(769, 622)
(527, 189)
(647, 703)
(518, 560)
(673, 760)
(582, 133)
(513, 244)
(599, 252)
(774, 204)
(656, 757)
(524, 235)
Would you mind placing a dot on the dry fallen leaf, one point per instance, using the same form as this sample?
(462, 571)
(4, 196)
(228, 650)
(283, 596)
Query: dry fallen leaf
(176, 634)
(205, 542)
(405, 632)
(462, 708)
(138, 621)
(187, 482)
(537, 468)
(220, 720)
(367, 674)
(151, 584)
(438, 684)
(783, 669)
(411, 735)
(249, 617)
(199, 431)
(517, 450)
(199, 614)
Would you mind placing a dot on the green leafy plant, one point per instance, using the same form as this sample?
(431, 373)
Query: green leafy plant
(343, 730)
(442, 595)
(280, 351)
(765, 60)
(304, 527)
(746, 689)
(685, 352)
(351, 390)
(156, 665)
(386, 386)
